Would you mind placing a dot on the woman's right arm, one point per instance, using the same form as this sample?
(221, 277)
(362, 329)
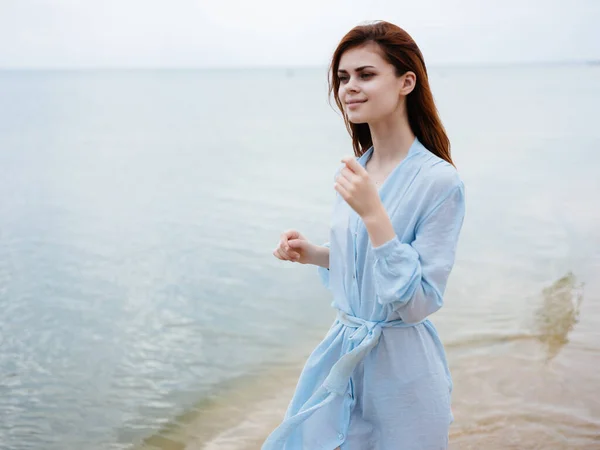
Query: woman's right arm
(322, 264)
(296, 248)
(322, 256)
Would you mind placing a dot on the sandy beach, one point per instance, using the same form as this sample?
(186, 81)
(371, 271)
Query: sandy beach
(521, 390)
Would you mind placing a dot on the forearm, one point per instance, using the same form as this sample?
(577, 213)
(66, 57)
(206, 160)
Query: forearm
(321, 257)
(379, 226)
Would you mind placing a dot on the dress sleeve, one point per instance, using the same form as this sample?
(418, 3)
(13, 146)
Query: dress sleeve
(412, 277)
(323, 272)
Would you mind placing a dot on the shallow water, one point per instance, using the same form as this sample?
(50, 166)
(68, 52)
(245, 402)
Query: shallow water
(140, 304)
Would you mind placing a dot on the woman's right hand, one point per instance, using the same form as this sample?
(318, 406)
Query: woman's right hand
(295, 247)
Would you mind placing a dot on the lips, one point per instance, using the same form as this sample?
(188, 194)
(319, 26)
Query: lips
(353, 102)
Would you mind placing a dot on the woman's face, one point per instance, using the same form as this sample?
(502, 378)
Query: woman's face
(369, 88)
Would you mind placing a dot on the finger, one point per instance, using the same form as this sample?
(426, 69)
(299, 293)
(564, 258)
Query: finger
(292, 254)
(354, 165)
(287, 251)
(348, 174)
(346, 184)
(342, 191)
(283, 241)
(283, 246)
(290, 234)
(283, 255)
(295, 244)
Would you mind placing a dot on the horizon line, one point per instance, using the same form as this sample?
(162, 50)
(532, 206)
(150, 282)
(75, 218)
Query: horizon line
(292, 67)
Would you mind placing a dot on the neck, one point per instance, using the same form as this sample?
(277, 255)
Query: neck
(392, 139)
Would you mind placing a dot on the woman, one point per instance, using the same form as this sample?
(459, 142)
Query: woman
(379, 380)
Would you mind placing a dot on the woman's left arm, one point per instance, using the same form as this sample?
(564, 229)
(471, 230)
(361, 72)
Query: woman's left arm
(412, 277)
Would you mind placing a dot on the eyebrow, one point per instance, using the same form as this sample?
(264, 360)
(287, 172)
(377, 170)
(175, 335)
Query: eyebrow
(358, 69)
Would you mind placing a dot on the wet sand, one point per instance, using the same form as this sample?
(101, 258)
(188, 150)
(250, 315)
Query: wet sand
(534, 388)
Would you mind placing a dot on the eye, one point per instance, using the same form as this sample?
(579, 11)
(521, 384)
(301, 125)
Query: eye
(363, 76)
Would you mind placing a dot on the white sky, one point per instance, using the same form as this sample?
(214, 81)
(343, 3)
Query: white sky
(224, 33)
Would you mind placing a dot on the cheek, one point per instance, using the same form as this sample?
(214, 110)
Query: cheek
(383, 99)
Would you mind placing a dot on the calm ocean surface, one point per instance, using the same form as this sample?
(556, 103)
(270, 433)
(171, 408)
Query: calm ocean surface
(140, 304)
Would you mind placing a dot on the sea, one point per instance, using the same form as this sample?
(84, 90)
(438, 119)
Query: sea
(141, 306)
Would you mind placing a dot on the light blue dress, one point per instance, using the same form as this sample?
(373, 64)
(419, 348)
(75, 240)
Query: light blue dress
(379, 380)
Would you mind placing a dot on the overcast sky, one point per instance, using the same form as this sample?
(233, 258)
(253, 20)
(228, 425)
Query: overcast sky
(225, 33)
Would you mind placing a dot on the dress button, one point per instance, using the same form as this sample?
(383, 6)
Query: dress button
(341, 436)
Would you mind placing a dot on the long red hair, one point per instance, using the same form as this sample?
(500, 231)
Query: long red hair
(400, 50)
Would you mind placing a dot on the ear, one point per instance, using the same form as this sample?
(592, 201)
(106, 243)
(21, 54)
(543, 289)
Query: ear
(408, 83)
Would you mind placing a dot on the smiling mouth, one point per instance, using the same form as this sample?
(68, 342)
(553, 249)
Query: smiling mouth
(354, 105)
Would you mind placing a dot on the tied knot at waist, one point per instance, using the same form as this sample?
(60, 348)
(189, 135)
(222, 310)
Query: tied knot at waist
(367, 334)
(363, 328)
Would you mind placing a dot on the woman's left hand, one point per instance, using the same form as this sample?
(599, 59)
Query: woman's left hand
(356, 187)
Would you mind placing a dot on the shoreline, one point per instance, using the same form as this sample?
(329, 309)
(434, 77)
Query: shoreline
(239, 416)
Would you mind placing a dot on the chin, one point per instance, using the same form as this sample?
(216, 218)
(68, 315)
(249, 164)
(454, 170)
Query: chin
(357, 118)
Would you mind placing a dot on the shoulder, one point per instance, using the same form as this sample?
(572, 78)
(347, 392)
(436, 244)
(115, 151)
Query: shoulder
(439, 183)
(438, 171)
(440, 190)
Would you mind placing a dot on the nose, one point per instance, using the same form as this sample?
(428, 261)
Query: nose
(351, 85)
